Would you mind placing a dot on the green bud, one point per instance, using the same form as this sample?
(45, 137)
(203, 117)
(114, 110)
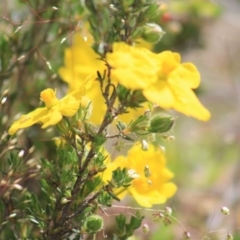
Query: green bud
(93, 224)
(152, 33)
(64, 200)
(161, 123)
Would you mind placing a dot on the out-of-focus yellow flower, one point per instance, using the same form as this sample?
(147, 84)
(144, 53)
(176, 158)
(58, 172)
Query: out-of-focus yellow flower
(162, 77)
(53, 112)
(80, 63)
(151, 177)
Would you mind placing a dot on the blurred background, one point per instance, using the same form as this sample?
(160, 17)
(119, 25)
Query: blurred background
(205, 157)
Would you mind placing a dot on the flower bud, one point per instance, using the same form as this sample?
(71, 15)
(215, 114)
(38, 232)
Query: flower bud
(64, 200)
(161, 123)
(145, 228)
(225, 211)
(152, 33)
(93, 224)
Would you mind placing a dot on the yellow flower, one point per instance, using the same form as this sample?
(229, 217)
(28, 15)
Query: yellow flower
(162, 77)
(51, 114)
(173, 88)
(151, 177)
(81, 62)
(81, 66)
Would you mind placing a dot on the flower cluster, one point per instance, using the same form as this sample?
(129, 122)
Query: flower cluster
(162, 79)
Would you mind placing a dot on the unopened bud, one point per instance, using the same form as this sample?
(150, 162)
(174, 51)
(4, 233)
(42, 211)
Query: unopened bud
(225, 211)
(93, 224)
(152, 33)
(64, 200)
(145, 228)
(161, 123)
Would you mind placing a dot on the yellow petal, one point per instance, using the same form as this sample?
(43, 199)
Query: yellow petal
(160, 93)
(186, 74)
(48, 96)
(53, 117)
(27, 120)
(187, 103)
(80, 62)
(68, 106)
